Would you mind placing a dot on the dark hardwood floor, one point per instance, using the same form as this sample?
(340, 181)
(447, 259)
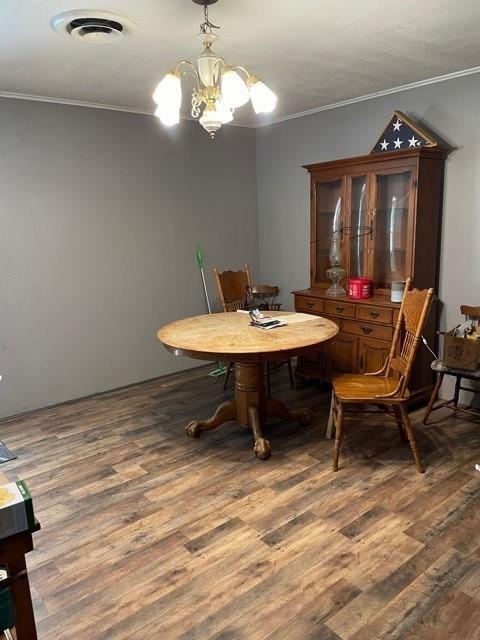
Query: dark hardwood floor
(148, 534)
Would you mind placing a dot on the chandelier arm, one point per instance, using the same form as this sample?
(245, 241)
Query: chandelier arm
(190, 71)
(217, 71)
(236, 67)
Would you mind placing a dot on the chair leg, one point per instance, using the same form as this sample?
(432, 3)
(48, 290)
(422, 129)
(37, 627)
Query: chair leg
(338, 434)
(458, 382)
(330, 425)
(401, 428)
(227, 375)
(411, 438)
(290, 371)
(433, 397)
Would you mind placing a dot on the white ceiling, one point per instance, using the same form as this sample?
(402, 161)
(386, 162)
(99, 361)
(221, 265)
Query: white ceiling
(311, 52)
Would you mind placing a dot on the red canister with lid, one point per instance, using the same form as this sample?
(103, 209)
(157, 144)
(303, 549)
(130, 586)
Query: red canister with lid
(360, 288)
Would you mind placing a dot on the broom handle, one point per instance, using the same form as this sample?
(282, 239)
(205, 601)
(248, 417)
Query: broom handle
(205, 290)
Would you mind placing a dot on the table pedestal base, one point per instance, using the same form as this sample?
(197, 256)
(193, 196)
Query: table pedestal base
(250, 408)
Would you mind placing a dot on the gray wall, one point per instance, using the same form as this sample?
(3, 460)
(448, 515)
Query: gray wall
(452, 108)
(99, 217)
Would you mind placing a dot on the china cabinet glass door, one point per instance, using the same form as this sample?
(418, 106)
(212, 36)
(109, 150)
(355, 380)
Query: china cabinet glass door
(392, 203)
(328, 217)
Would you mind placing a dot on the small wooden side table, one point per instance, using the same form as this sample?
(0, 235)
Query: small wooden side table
(12, 556)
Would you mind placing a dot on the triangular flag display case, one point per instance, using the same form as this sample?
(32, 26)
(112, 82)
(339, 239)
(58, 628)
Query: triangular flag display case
(402, 133)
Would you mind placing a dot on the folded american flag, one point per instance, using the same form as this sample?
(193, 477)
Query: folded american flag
(400, 134)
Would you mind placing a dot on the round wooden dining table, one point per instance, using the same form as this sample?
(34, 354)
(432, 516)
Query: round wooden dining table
(229, 337)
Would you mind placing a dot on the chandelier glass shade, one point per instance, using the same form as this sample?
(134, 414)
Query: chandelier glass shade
(219, 88)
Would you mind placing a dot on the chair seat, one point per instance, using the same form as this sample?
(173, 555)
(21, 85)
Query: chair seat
(440, 367)
(357, 387)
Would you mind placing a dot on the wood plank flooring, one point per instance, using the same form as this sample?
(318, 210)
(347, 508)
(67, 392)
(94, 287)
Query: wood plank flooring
(148, 534)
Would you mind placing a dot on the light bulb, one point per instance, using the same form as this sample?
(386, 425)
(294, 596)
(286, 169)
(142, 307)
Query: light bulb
(234, 90)
(169, 92)
(263, 98)
(168, 117)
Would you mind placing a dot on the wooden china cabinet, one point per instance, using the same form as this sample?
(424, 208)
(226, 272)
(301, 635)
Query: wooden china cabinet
(388, 208)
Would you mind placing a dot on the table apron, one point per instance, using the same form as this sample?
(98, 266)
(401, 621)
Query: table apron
(262, 357)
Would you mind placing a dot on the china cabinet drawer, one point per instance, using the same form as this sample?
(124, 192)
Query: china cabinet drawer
(374, 314)
(340, 308)
(368, 330)
(308, 305)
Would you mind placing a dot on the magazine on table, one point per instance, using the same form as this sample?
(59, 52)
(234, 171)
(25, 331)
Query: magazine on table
(264, 322)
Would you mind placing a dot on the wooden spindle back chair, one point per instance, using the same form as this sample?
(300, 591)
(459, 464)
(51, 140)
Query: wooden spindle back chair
(472, 313)
(387, 388)
(232, 287)
(411, 320)
(263, 297)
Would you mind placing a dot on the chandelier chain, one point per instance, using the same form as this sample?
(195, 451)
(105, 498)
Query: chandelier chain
(207, 25)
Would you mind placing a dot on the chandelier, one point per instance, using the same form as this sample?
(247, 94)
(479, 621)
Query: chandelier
(220, 88)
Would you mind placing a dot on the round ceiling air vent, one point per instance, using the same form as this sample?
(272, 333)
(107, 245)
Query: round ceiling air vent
(93, 26)
(94, 29)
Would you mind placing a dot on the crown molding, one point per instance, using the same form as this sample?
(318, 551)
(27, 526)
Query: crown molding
(293, 116)
(97, 105)
(73, 103)
(371, 96)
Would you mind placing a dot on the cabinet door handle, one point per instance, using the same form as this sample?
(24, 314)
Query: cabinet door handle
(374, 314)
(310, 305)
(366, 330)
(339, 309)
